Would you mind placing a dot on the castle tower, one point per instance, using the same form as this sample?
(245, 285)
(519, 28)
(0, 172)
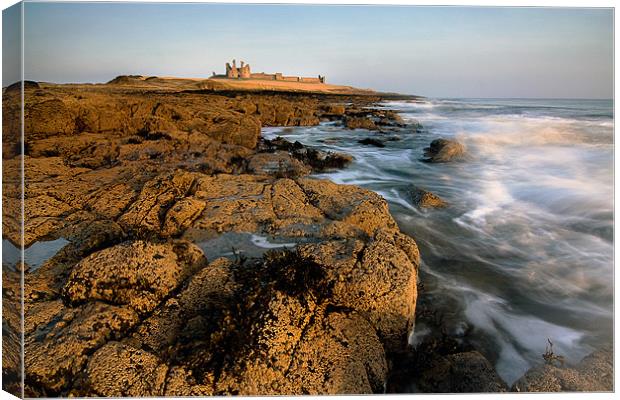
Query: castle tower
(232, 72)
(244, 71)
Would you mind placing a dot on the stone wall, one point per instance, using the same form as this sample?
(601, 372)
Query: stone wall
(264, 76)
(243, 71)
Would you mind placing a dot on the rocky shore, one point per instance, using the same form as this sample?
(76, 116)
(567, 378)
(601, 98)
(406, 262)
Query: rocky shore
(146, 183)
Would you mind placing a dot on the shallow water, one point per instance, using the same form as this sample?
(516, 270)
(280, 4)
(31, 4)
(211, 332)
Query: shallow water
(34, 256)
(525, 249)
(233, 245)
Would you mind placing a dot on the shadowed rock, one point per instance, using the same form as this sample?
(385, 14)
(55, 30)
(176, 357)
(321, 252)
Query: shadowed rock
(317, 160)
(466, 372)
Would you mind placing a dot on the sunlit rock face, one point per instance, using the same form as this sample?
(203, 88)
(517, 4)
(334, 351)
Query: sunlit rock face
(185, 255)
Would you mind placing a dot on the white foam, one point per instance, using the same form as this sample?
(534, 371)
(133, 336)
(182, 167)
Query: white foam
(264, 243)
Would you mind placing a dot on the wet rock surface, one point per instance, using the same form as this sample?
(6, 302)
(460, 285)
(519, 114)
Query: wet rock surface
(444, 150)
(425, 199)
(136, 181)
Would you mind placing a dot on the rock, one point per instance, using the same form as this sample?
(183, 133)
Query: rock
(389, 118)
(290, 201)
(443, 150)
(64, 340)
(365, 209)
(96, 156)
(110, 201)
(371, 142)
(130, 173)
(11, 332)
(240, 129)
(316, 159)
(593, 374)
(599, 367)
(335, 353)
(210, 288)
(284, 337)
(181, 382)
(360, 123)
(377, 280)
(426, 199)
(47, 118)
(334, 109)
(159, 196)
(119, 370)
(234, 203)
(159, 332)
(180, 216)
(279, 164)
(468, 372)
(139, 274)
(96, 236)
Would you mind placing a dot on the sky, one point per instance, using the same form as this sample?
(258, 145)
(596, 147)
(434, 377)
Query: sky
(431, 51)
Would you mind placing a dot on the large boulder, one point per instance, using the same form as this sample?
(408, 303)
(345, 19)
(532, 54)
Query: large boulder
(377, 280)
(286, 336)
(444, 150)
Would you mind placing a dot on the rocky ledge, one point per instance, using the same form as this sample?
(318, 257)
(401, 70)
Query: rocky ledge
(169, 201)
(144, 300)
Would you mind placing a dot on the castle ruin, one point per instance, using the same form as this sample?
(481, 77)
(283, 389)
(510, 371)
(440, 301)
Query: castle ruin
(243, 72)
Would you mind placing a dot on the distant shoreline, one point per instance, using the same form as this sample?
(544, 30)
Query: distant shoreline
(224, 85)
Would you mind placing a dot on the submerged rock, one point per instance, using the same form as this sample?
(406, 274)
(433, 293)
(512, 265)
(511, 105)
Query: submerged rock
(371, 142)
(425, 199)
(443, 150)
(416, 126)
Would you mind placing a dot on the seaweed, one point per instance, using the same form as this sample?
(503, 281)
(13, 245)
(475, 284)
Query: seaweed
(550, 357)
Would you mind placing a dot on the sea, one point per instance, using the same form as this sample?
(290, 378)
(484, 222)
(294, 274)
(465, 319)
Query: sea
(524, 252)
